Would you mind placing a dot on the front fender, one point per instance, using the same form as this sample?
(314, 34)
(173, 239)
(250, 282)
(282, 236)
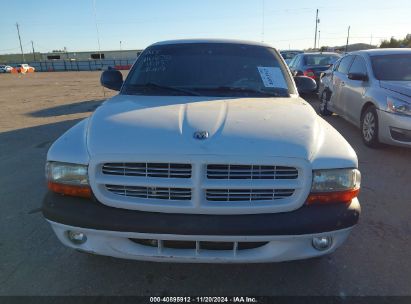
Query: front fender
(333, 151)
(71, 147)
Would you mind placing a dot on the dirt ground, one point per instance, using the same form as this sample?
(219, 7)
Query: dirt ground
(42, 98)
(37, 108)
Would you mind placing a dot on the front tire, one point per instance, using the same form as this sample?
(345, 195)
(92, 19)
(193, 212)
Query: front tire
(369, 127)
(323, 108)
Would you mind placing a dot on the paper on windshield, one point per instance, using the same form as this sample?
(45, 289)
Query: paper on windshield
(272, 77)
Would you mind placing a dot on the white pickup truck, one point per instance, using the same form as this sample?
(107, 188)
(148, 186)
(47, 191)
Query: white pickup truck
(207, 154)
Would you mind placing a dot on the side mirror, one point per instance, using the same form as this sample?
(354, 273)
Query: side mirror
(357, 76)
(112, 79)
(305, 84)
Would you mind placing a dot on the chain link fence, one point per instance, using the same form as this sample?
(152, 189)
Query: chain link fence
(80, 65)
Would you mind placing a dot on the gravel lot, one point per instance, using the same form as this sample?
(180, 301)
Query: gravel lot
(37, 108)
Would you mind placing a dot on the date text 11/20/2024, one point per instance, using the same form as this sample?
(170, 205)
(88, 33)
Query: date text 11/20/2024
(203, 300)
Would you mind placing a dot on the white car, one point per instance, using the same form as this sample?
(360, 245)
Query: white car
(25, 68)
(209, 155)
(5, 69)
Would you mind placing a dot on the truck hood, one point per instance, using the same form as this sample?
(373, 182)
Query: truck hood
(402, 87)
(286, 127)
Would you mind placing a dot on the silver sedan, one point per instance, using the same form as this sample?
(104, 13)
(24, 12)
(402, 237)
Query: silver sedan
(372, 89)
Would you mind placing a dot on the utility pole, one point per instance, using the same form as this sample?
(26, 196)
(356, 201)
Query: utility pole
(316, 27)
(21, 47)
(348, 38)
(120, 45)
(34, 53)
(66, 51)
(319, 36)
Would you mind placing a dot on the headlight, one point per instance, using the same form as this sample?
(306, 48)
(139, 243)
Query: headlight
(334, 186)
(398, 106)
(69, 174)
(335, 180)
(68, 179)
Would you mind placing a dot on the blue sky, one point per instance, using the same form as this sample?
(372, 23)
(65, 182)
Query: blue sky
(54, 24)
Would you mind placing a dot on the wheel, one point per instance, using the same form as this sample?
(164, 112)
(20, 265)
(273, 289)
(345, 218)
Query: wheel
(369, 127)
(323, 109)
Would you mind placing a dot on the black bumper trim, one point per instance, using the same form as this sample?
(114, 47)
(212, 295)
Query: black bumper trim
(89, 214)
(400, 134)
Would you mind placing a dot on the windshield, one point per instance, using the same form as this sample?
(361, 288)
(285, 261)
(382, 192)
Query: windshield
(320, 59)
(209, 69)
(395, 67)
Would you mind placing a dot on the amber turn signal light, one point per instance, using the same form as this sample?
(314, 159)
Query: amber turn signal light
(332, 197)
(70, 190)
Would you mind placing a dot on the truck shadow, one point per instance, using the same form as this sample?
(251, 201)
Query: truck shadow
(67, 109)
(16, 143)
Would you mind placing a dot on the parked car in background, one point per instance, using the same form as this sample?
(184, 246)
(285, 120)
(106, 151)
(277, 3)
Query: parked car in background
(325, 81)
(289, 55)
(312, 64)
(372, 89)
(5, 69)
(207, 155)
(24, 68)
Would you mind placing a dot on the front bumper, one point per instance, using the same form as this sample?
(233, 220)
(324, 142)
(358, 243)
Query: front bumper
(390, 125)
(277, 248)
(287, 236)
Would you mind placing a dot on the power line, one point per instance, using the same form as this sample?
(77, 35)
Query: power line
(263, 25)
(11, 49)
(98, 35)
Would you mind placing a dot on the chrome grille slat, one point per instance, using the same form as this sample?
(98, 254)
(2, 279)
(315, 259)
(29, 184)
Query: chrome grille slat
(250, 172)
(158, 170)
(228, 195)
(151, 192)
(247, 171)
(112, 169)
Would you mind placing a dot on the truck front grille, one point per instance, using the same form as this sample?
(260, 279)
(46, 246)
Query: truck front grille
(159, 170)
(248, 195)
(198, 185)
(173, 194)
(250, 172)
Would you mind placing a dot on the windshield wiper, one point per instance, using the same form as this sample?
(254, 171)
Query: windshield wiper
(153, 85)
(245, 90)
